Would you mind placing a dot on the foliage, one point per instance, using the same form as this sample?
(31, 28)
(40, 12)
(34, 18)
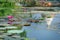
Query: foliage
(48, 16)
(23, 34)
(42, 18)
(28, 3)
(27, 39)
(4, 12)
(5, 31)
(2, 0)
(6, 8)
(19, 26)
(8, 4)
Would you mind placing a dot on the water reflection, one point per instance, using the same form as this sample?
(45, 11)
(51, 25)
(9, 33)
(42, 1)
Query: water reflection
(40, 31)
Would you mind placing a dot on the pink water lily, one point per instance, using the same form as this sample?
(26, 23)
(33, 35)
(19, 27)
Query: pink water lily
(10, 17)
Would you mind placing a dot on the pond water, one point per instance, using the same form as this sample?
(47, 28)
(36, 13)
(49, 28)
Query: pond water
(39, 31)
(36, 16)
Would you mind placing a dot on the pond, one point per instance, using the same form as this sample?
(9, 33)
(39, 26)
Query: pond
(39, 31)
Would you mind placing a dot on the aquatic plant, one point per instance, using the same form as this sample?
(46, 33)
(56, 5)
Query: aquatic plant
(42, 18)
(48, 16)
(23, 34)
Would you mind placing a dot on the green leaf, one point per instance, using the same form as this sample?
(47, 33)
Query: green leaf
(2, 0)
